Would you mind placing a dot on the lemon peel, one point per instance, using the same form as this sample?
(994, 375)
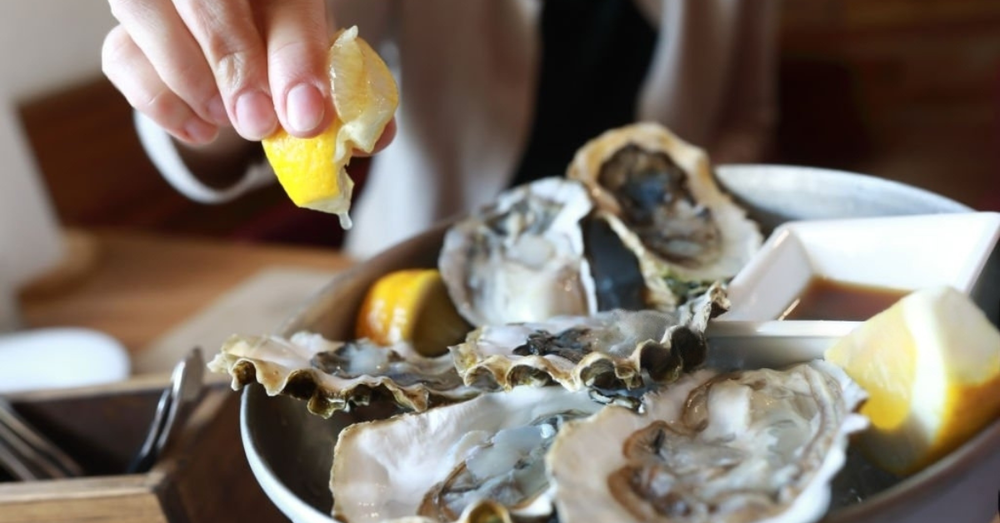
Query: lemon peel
(313, 170)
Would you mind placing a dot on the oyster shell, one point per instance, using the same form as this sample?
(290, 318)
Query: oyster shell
(606, 352)
(333, 376)
(482, 457)
(522, 258)
(658, 194)
(757, 446)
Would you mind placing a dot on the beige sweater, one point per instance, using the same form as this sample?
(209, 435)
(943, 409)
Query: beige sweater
(467, 72)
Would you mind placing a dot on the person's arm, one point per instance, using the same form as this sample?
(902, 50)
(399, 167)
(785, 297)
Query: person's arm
(749, 119)
(224, 161)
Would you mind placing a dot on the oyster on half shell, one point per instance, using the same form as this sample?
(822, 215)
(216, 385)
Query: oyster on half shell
(333, 376)
(658, 194)
(606, 352)
(481, 460)
(521, 258)
(752, 446)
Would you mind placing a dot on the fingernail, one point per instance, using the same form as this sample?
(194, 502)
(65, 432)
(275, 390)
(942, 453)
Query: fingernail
(305, 107)
(255, 118)
(217, 111)
(200, 131)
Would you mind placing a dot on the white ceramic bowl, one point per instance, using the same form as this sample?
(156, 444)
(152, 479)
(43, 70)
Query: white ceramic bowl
(771, 344)
(290, 450)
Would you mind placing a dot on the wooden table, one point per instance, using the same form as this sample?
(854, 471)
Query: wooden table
(136, 286)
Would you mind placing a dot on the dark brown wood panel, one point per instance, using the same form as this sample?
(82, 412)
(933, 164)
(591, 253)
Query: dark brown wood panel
(98, 174)
(904, 89)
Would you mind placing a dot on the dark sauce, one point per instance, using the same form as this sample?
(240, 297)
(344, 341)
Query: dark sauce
(826, 299)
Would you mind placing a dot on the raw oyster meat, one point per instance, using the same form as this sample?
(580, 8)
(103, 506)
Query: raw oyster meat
(333, 376)
(522, 258)
(444, 464)
(658, 194)
(751, 446)
(605, 352)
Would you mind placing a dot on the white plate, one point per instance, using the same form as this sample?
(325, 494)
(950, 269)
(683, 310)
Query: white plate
(290, 450)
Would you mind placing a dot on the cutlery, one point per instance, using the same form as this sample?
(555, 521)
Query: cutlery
(173, 408)
(14, 464)
(26, 449)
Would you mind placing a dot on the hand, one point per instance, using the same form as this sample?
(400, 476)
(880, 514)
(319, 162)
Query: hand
(194, 66)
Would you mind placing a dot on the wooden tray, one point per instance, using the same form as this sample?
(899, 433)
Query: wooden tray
(204, 476)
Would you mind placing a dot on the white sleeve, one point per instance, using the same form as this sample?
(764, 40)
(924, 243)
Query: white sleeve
(747, 126)
(162, 151)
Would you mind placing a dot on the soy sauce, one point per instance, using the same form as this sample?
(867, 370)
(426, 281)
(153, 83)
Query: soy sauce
(826, 299)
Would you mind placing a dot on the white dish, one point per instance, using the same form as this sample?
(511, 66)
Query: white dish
(771, 344)
(903, 252)
(60, 358)
(290, 450)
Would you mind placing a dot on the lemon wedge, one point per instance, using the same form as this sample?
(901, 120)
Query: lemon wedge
(312, 170)
(411, 306)
(931, 367)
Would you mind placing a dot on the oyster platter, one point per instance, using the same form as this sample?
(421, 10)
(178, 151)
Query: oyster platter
(556, 364)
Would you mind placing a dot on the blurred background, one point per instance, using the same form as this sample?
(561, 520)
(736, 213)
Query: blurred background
(902, 89)
(92, 237)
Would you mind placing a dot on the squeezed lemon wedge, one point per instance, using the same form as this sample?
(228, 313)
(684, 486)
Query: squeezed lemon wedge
(411, 306)
(312, 170)
(931, 367)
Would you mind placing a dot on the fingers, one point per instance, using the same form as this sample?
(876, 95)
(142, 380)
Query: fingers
(194, 65)
(387, 135)
(297, 46)
(383, 141)
(155, 28)
(132, 73)
(226, 32)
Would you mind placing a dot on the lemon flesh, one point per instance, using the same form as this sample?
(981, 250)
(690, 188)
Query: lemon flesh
(313, 170)
(931, 366)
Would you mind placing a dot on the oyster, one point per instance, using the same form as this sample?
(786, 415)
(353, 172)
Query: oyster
(482, 457)
(757, 446)
(522, 258)
(658, 194)
(606, 352)
(332, 376)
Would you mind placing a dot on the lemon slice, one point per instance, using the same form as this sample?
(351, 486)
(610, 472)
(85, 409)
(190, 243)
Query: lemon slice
(411, 306)
(312, 170)
(931, 367)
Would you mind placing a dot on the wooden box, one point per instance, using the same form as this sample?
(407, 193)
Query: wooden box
(202, 477)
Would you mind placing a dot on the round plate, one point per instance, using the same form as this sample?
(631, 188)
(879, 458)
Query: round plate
(291, 451)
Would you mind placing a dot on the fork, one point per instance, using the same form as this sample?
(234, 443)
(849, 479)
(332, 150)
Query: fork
(27, 454)
(12, 463)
